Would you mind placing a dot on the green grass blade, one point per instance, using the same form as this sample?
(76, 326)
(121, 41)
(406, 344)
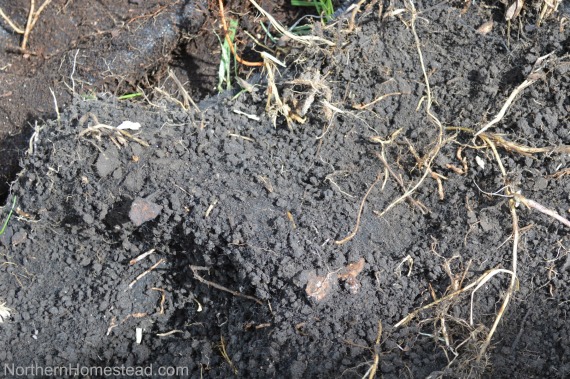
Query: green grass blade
(323, 7)
(224, 71)
(9, 216)
(130, 96)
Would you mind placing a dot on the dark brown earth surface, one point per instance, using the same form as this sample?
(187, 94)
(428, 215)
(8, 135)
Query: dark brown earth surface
(279, 241)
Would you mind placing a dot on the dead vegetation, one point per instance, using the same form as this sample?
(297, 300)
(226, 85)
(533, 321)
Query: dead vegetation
(464, 342)
(33, 17)
(468, 354)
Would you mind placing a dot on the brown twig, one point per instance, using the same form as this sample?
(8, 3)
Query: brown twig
(199, 278)
(229, 40)
(162, 260)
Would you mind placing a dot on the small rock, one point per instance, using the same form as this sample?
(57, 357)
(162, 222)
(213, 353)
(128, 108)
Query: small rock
(143, 210)
(19, 237)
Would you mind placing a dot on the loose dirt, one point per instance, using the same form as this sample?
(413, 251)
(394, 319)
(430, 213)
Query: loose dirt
(271, 250)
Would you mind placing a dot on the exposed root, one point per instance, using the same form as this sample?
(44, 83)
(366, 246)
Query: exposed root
(512, 285)
(421, 206)
(435, 151)
(33, 17)
(376, 363)
(116, 135)
(379, 98)
(536, 74)
(229, 40)
(224, 353)
(480, 281)
(357, 225)
(161, 261)
(199, 278)
(494, 140)
(12, 24)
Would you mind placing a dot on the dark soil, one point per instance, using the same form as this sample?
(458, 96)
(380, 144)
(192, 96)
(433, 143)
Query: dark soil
(261, 206)
(86, 47)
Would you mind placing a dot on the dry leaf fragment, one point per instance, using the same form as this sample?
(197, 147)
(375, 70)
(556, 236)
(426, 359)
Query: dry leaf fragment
(485, 28)
(318, 287)
(4, 312)
(349, 274)
(514, 10)
(143, 210)
(129, 125)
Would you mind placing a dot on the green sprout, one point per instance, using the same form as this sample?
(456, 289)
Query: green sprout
(225, 62)
(130, 96)
(9, 216)
(323, 7)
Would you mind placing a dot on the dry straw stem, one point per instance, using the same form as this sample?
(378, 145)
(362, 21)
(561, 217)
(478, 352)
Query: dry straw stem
(12, 24)
(481, 280)
(199, 278)
(536, 74)
(161, 261)
(513, 283)
(306, 40)
(548, 8)
(376, 363)
(33, 17)
(360, 209)
(185, 96)
(435, 151)
(141, 257)
(533, 204)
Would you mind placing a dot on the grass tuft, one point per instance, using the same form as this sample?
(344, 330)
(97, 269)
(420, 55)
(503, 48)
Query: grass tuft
(323, 7)
(225, 62)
